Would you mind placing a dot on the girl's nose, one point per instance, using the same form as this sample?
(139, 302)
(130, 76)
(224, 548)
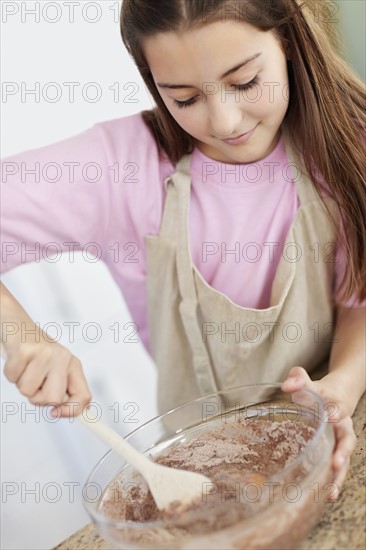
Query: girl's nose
(225, 117)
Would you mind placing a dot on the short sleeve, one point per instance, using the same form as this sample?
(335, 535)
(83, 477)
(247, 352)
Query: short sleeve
(339, 273)
(54, 199)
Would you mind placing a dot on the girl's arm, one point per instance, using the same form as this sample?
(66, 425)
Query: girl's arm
(54, 200)
(342, 387)
(347, 363)
(43, 370)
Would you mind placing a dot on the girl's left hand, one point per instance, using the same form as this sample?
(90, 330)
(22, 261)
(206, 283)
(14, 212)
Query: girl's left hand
(338, 415)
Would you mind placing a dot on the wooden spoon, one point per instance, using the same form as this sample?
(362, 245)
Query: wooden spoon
(167, 485)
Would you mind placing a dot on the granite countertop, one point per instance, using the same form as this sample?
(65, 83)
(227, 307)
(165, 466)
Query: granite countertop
(342, 526)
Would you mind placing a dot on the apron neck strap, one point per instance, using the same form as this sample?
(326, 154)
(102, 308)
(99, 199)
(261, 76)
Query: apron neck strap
(169, 226)
(175, 225)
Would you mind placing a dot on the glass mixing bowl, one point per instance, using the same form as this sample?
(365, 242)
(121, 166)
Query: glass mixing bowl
(291, 499)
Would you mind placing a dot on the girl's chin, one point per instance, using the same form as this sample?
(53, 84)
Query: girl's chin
(229, 154)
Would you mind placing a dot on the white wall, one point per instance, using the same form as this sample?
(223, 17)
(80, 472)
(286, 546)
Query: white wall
(351, 17)
(37, 454)
(39, 53)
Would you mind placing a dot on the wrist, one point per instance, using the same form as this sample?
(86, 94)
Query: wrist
(17, 328)
(348, 390)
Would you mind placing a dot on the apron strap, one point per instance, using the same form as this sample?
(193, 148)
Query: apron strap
(168, 225)
(179, 195)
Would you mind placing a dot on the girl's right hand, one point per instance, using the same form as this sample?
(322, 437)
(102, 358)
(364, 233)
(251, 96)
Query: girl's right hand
(46, 372)
(43, 370)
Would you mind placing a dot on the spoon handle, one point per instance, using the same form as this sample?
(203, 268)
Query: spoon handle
(109, 436)
(117, 443)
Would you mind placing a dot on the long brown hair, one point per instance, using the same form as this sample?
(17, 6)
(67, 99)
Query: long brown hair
(326, 115)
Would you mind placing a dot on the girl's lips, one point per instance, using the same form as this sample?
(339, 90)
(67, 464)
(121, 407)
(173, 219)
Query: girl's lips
(241, 139)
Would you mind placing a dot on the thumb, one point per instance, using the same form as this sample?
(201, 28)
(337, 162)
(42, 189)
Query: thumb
(297, 378)
(296, 383)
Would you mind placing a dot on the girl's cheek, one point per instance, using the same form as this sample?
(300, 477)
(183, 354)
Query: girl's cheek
(181, 116)
(255, 105)
(272, 98)
(190, 122)
(252, 97)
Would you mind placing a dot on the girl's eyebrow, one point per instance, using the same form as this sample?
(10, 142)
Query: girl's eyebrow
(174, 86)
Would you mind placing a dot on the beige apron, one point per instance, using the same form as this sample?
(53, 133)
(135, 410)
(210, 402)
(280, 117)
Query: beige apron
(203, 342)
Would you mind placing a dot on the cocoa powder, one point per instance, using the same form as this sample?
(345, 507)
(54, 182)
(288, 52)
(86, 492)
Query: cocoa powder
(238, 456)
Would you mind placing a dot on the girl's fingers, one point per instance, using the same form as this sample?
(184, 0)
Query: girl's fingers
(27, 368)
(78, 392)
(46, 373)
(297, 378)
(33, 377)
(339, 480)
(334, 410)
(346, 442)
(14, 367)
(53, 389)
(67, 409)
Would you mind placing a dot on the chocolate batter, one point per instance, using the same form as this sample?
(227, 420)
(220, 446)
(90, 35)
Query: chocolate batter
(239, 456)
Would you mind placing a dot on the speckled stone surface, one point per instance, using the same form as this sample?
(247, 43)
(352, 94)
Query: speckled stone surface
(343, 524)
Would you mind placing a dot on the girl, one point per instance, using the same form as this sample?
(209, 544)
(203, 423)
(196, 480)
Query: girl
(248, 210)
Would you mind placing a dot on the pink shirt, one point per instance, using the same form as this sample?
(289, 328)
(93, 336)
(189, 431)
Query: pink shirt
(102, 191)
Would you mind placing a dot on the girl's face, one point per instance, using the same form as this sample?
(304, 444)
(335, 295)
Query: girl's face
(196, 68)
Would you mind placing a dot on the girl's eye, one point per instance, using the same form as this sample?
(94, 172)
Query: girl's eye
(182, 104)
(247, 86)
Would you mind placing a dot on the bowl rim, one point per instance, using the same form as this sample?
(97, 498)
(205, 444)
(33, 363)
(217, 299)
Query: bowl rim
(104, 520)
